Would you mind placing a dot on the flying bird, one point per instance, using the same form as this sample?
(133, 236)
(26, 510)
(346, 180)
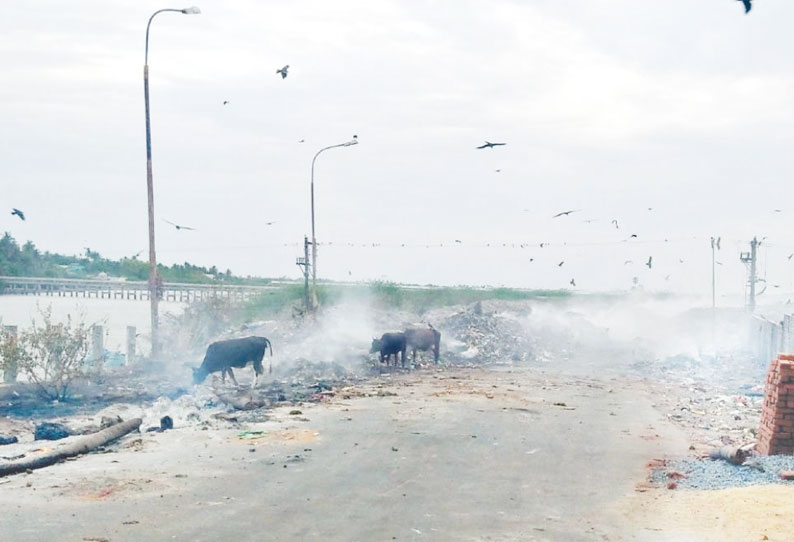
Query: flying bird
(283, 71)
(790, 256)
(627, 262)
(273, 222)
(302, 141)
(560, 264)
(565, 213)
(489, 145)
(17, 212)
(615, 222)
(572, 283)
(748, 5)
(649, 263)
(633, 235)
(178, 227)
(458, 241)
(225, 102)
(498, 170)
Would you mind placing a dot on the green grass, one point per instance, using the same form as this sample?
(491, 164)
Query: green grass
(388, 294)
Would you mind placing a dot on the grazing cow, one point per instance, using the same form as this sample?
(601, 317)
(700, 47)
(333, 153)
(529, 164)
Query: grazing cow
(223, 355)
(423, 338)
(388, 344)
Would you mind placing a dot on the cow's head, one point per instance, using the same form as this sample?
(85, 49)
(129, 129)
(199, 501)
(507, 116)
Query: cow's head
(376, 345)
(199, 375)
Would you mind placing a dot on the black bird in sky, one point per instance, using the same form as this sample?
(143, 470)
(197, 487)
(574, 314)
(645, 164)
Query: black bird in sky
(283, 71)
(17, 212)
(178, 227)
(489, 145)
(615, 222)
(633, 236)
(498, 170)
(649, 263)
(573, 283)
(565, 213)
(270, 223)
(560, 264)
(458, 241)
(790, 256)
(627, 262)
(225, 102)
(748, 5)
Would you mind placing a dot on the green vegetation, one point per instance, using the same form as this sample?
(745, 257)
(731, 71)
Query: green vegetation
(28, 261)
(50, 355)
(417, 299)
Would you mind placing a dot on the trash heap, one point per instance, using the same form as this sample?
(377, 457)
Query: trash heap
(474, 335)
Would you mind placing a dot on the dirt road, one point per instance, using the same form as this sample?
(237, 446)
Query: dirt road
(463, 455)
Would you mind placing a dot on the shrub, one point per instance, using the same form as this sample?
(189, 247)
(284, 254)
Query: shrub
(53, 355)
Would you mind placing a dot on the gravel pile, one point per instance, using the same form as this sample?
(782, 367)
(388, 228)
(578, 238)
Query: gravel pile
(716, 474)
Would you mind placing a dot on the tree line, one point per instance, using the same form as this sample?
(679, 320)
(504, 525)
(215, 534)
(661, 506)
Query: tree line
(28, 261)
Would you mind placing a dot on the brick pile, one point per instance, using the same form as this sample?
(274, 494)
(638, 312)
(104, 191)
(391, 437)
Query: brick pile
(776, 434)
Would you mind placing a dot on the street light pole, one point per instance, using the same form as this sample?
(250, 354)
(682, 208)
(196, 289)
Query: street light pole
(153, 290)
(353, 141)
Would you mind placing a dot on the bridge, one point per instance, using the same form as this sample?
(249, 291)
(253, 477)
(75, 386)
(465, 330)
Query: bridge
(125, 289)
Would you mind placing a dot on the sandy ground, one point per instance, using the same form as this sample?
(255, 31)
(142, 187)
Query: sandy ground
(738, 514)
(454, 455)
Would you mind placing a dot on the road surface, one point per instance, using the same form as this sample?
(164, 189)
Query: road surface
(458, 455)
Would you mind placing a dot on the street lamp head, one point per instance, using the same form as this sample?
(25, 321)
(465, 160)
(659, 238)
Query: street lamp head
(353, 141)
(193, 10)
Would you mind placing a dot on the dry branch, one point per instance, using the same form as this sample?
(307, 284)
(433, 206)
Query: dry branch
(78, 447)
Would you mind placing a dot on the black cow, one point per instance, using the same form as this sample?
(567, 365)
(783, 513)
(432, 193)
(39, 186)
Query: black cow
(423, 338)
(223, 355)
(388, 344)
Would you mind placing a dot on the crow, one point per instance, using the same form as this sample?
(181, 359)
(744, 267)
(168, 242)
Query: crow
(572, 283)
(649, 263)
(633, 236)
(302, 141)
(489, 145)
(560, 264)
(565, 213)
(748, 5)
(17, 212)
(498, 170)
(790, 256)
(271, 223)
(225, 102)
(283, 71)
(178, 227)
(615, 222)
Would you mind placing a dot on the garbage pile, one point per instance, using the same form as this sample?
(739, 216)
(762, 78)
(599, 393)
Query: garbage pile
(475, 335)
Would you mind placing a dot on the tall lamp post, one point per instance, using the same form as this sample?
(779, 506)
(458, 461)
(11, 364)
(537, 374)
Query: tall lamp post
(153, 289)
(353, 141)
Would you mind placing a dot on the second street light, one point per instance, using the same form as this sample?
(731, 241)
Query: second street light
(153, 282)
(353, 141)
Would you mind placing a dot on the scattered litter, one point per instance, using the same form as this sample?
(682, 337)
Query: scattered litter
(51, 431)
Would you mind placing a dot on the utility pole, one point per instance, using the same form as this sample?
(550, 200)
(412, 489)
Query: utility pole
(306, 265)
(750, 259)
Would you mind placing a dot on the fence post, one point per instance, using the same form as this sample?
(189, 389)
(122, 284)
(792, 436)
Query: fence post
(11, 369)
(131, 345)
(97, 346)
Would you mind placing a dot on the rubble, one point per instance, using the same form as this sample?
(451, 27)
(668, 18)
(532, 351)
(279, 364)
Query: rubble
(51, 431)
(478, 335)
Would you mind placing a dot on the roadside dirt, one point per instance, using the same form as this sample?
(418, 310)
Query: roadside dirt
(747, 514)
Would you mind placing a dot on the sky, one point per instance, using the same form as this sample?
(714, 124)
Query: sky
(673, 118)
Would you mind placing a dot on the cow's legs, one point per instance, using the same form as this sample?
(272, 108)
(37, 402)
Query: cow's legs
(231, 374)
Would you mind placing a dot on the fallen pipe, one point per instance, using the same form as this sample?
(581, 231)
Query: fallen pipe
(78, 447)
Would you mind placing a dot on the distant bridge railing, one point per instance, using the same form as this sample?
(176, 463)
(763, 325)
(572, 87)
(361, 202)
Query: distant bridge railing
(125, 289)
